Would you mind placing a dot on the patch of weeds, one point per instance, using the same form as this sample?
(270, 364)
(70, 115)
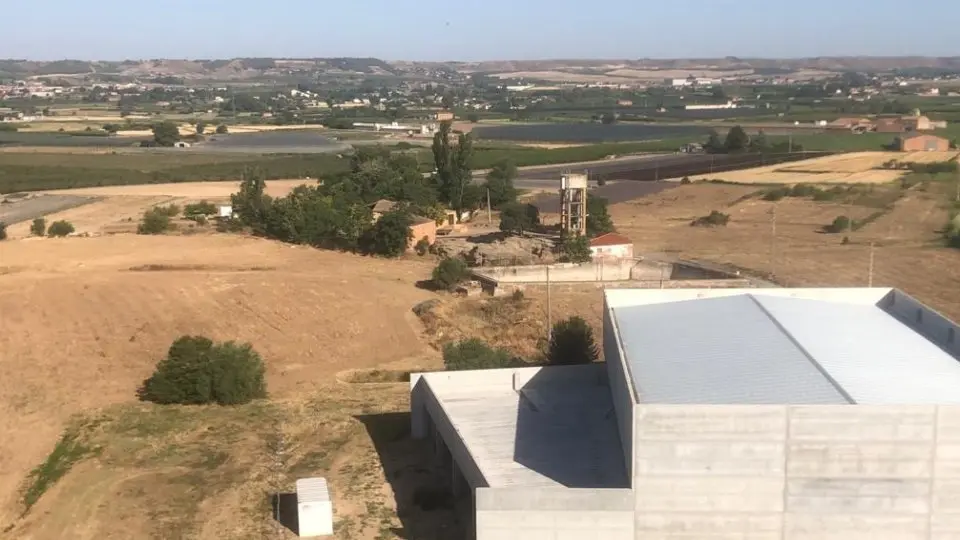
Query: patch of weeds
(69, 450)
(714, 219)
(212, 459)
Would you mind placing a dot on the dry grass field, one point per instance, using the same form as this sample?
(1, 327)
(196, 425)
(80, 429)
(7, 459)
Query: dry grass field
(903, 225)
(121, 206)
(85, 320)
(852, 168)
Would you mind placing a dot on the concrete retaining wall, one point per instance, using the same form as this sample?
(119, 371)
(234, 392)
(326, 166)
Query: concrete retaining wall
(621, 387)
(554, 514)
(797, 472)
(595, 271)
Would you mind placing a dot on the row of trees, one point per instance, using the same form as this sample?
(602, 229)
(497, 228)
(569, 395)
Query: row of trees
(737, 140)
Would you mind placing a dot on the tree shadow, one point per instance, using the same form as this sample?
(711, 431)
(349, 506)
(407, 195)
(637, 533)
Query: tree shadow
(420, 482)
(285, 511)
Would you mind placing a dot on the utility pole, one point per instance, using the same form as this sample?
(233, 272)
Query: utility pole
(549, 310)
(489, 218)
(870, 271)
(773, 240)
(957, 197)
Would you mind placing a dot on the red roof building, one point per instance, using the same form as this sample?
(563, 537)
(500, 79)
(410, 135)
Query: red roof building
(611, 246)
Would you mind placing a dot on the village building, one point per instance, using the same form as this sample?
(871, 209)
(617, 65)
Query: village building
(611, 246)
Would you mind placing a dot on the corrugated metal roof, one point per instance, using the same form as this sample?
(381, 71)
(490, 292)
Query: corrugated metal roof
(717, 350)
(872, 355)
(764, 348)
(312, 490)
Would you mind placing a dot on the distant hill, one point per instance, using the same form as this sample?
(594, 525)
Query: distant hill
(239, 69)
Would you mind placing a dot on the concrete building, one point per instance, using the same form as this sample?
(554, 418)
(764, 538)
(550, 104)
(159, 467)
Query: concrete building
(755, 414)
(611, 246)
(923, 143)
(422, 228)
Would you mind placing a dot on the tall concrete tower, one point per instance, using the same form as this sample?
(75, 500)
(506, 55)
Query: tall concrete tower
(573, 204)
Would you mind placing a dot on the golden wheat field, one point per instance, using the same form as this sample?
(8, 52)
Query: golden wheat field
(853, 168)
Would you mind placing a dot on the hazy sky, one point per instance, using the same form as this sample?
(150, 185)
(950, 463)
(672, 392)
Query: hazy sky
(476, 29)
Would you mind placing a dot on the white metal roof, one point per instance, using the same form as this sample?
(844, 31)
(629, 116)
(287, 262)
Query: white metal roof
(312, 490)
(776, 346)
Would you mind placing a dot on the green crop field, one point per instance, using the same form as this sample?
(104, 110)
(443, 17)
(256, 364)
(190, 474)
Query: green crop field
(41, 171)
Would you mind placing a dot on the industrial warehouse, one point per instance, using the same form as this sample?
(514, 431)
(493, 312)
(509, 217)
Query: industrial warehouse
(719, 413)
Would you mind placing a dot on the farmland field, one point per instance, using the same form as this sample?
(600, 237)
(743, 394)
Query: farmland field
(115, 209)
(903, 224)
(31, 171)
(591, 132)
(853, 168)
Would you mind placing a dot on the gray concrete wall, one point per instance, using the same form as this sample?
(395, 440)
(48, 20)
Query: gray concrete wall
(554, 514)
(586, 272)
(621, 387)
(798, 472)
(923, 320)
(426, 411)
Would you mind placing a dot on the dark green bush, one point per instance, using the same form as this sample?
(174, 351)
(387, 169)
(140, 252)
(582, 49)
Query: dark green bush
(39, 227)
(197, 371)
(776, 194)
(3, 231)
(475, 354)
(423, 246)
(572, 342)
(155, 221)
(60, 228)
(450, 272)
(714, 219)
(840, 224)
(202, 208)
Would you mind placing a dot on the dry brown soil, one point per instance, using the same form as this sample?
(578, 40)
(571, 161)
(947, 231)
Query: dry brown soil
(908, 255)
(84, 320)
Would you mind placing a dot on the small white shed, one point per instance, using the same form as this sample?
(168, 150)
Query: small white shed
(314, 508)
(225, 211)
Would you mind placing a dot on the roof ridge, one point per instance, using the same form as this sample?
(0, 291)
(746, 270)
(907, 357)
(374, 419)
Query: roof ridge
(796, 343)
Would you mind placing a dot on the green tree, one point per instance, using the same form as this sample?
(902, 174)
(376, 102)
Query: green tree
(475, 354)
(714, 145)
(201, 126)
(251, 205)
(737, 140)
(154, 221)
(473, 118)
(450, 272)
(60, 228)
(39, 227)
(3, 231)
(760, 143)
(222, 129)
(111, 128)
(197, 371)
(452, 163)
(519, 217)
(571, 343)
(608, 118)
(598, 217)
(500, 183)
(576, 249)
(390, 235)
(166, 133)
